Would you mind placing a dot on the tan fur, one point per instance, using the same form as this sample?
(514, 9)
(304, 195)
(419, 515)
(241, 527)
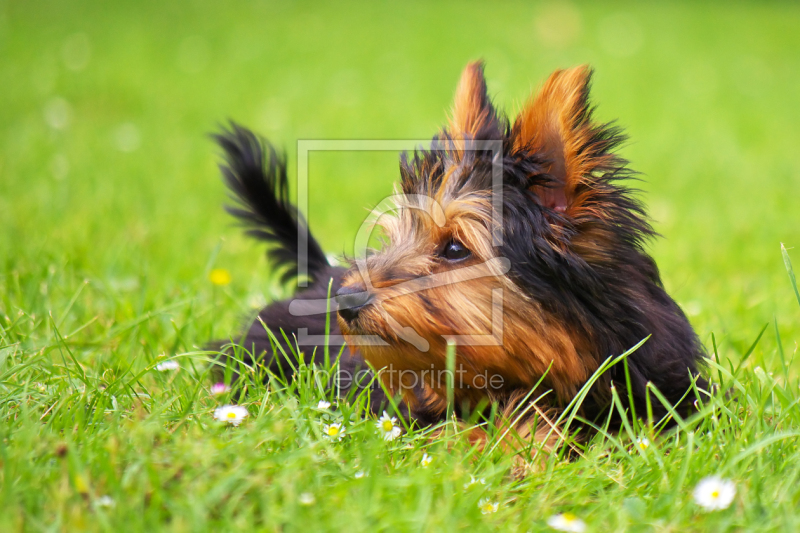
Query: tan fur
(470, 110)
(522, 429)
(532, 342)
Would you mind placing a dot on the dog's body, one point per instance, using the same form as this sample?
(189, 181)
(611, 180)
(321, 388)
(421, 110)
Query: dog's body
(568, 265)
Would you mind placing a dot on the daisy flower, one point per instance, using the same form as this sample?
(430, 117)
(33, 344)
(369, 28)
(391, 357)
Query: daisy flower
(714, 493)
(232, 414)
(306, 498)
(474, 481)
(388, 427)
(567, 522)
(105, 501)
(219, 276)
(426, 460)
(167, 365)
(487, 506)
(359, 474)
(323, 404)
(642, 443)
(334, 431)
(219, 388)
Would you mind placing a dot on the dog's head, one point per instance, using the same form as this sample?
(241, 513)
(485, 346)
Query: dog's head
(518, 242)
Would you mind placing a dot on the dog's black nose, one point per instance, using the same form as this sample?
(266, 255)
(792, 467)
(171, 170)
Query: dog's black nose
(351, 300)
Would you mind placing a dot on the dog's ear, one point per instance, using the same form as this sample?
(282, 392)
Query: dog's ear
(473, 116)
(556, 125)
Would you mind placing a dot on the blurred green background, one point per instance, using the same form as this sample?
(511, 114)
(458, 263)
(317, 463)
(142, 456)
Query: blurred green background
(106, 172)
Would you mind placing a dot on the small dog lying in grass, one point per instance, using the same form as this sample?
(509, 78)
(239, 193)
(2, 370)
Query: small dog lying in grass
(520, 242)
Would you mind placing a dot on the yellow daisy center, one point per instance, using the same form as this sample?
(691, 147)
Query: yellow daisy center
(715, 494)
(333, 431)
(569, 517)
(387, 425)
(231, 414)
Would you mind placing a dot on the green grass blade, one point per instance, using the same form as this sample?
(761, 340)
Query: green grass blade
(788, 264)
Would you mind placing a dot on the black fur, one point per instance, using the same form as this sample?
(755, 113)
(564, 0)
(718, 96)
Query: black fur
(256, 175)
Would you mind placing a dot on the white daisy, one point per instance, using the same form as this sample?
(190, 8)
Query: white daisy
(714, 493)
(388, 427)
(232, 414)
(487, 506)
(426, 460)
(334, 431)
(323, 404)
(219, 388)
(359, 474)
(474, 481)
(567, 522)
(642, 443)
(167, 365)
(105, 501)
(306, 498)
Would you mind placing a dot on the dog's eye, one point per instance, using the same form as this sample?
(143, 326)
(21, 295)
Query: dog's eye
(455, 251)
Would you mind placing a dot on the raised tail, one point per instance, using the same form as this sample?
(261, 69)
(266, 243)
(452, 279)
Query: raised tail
(256, 175)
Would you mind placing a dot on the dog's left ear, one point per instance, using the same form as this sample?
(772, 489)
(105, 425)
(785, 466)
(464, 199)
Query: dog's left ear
(556, 125)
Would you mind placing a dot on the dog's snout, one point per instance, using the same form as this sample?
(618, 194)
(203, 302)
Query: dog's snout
(351, 300)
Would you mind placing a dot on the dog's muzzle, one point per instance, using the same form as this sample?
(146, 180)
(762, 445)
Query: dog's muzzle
(351, 300)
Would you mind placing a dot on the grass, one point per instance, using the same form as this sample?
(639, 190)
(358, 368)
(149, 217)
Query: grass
(110, 223)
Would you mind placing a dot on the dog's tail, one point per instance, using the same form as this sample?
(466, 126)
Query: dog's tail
(256, 175)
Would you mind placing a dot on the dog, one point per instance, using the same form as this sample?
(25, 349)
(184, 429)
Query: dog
(516, 258)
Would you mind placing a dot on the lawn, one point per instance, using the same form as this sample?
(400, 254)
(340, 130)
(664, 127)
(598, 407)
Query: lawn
(111, 221)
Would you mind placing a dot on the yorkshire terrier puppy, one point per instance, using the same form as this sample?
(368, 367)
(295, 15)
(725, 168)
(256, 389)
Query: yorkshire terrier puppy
(521, 243)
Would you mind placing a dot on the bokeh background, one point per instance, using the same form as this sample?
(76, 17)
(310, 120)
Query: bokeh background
(107, 173)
